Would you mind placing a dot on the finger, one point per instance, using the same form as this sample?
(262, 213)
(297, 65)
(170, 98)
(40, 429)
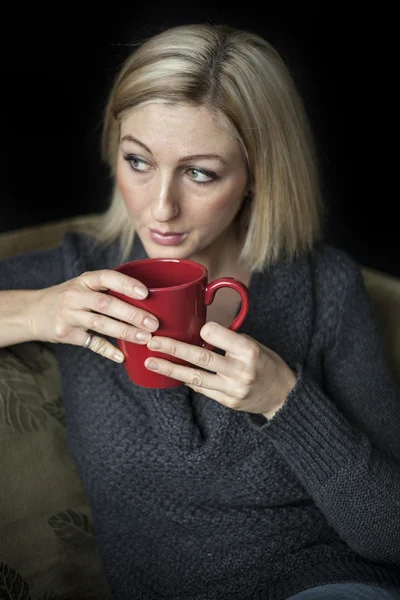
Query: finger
(196, 355)
(197, 377)
(108, 279)
(223, 390)
(235, 344)
(97, 344)
(103, 280)
(123, 315)
(110, 327)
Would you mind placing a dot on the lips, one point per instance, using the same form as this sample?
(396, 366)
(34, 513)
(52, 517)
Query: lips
(168, 233)
(167, 239)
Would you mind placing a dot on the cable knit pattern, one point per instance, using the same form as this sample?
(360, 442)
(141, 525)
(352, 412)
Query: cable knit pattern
(194, 501)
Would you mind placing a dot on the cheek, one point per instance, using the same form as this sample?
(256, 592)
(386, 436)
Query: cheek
(124, 187)
(227, 205)
(217, 215)
(221, 202)
(230, 196)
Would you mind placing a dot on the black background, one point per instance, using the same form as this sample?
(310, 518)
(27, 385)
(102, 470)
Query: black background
(58, 65)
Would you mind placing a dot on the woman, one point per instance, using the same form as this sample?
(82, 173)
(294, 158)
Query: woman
(274, 473)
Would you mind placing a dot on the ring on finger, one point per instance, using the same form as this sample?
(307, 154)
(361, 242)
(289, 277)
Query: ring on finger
(88, 340)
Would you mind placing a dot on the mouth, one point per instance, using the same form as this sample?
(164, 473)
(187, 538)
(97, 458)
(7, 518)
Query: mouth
(169, 238)
(167, 233)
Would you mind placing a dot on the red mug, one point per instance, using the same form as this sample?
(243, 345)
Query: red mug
(178, 296)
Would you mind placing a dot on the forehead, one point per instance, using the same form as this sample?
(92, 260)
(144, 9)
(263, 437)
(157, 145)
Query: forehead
(179, 128)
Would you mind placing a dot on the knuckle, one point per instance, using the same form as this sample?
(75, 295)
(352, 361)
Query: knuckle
(247, 376)
(102, 301)
(99, 345)
(127, 285)
(96, 322)
(62, 331)
(204, 358)
(124, 332)
(168, 371)
(101, 277)
(242, 392)
(253, 352)
(171, 349)
(197, 379)
(233, 403)
(133, 316)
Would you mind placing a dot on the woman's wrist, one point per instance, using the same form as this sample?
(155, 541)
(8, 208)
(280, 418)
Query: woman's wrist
(286, 387)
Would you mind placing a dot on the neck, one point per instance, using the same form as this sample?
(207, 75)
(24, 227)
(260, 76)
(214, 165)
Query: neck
(221, 259)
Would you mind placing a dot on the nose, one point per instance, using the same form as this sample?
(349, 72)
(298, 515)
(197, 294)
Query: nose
(165, 204)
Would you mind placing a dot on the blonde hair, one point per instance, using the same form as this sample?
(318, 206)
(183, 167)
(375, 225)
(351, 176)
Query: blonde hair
(241, 78)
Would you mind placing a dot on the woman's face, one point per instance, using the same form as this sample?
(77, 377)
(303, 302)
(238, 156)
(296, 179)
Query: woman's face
(179, 171)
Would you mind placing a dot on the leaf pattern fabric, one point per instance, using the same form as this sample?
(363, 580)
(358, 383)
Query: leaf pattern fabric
(48, 549)
(12, 586)
(72, 527)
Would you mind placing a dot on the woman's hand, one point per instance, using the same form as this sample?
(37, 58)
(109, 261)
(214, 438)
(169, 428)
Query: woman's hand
(64, 313)
(250, 377)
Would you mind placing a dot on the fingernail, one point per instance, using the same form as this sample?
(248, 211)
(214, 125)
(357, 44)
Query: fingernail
(150, 324)
(118, 357)
(140, 291)
(154, 344)
(143, 336)
(151, 364)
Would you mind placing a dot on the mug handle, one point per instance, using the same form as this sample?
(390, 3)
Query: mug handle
(240, 288)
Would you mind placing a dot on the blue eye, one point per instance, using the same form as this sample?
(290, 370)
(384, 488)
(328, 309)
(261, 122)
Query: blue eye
(200, 176)
(137, 164)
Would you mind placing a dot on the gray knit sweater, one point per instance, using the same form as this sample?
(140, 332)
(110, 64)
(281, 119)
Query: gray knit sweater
(194, 501)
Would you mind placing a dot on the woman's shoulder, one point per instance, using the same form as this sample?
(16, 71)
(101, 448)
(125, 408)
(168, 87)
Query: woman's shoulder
(329, 269)
(337, 282)
(333, 266)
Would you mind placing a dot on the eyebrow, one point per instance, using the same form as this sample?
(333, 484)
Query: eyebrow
(130, 138)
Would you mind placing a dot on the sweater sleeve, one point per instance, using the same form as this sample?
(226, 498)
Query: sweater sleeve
(43, 268)
(343, 442)
(32, 270)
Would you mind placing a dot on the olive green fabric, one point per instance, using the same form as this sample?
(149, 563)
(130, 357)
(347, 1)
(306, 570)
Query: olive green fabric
(384, 292)
(47, 547)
